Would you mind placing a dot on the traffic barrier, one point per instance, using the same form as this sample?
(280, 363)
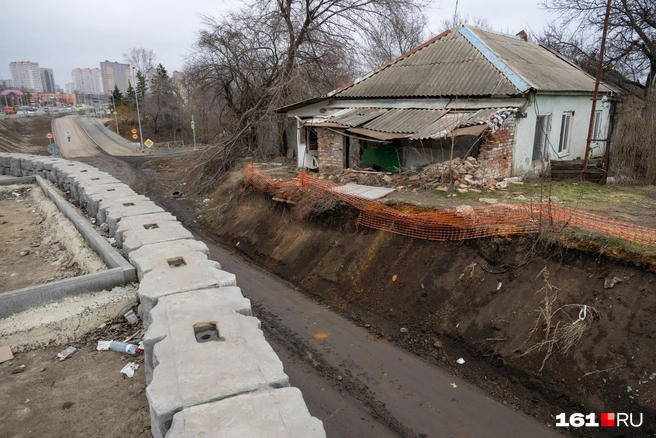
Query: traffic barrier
(461, 223)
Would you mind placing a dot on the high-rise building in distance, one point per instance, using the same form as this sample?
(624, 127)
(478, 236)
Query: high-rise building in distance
(115, 74)
(26, 76)
(48, 80)
(87, 81)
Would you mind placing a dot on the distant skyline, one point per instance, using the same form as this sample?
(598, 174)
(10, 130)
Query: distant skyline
(67, 34)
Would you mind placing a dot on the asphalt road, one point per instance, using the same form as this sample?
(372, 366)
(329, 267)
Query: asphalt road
(80, 144)
(357, 386)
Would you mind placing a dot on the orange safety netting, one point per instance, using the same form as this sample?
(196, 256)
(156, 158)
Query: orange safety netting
(464, 222)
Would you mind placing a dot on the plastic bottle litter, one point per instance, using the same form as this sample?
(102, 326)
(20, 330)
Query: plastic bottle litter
(122, 347)
(461, 361)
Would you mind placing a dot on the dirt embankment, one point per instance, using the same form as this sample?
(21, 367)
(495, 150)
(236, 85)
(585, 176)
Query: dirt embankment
(479, 300)
(26, 135)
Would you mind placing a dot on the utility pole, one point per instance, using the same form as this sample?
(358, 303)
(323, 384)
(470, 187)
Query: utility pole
(115, 116)
(136, 96)
(594, 96)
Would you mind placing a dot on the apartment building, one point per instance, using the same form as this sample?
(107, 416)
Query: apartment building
(26, 76)
(115, 74)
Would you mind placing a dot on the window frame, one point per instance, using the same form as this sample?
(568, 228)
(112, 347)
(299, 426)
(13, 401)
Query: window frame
(564, 146)
(546, 136)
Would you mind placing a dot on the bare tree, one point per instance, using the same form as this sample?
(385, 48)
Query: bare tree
(457, 20)
(391, 35)
(250, 63)
(141, 59)
(631, 47)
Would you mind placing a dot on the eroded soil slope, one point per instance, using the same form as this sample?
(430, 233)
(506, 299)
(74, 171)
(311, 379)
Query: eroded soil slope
(479, 300)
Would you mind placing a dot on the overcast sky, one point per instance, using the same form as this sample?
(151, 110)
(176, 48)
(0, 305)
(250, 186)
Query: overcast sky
(68, 34)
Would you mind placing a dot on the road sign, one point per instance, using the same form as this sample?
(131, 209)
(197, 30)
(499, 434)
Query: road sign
(135, 136)
(193, 125)
(48, 135)
(134, 130)
(148, 143)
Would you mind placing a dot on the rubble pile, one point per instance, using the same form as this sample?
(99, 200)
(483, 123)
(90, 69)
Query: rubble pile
(465, 175)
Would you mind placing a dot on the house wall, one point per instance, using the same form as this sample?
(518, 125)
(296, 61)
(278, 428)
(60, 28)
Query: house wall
(556, 105)
(497, 150)
(330, 149)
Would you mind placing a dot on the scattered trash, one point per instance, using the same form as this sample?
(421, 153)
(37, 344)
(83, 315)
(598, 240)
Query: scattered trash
(238, 243)
(103, 345)
(438, 344)
(122, 347)
(339, 378)
(104, 227)
(610, 283)
(102, 326)
(320, 336)
(404, 330)
(5, 353)
(15, 193)
(18, 370)
(112, 241)
(129, 369)
(68, 352)
(652, 377)
(206, 201)
(460, 361)
(454, 385)
(35, 244)
(394, 277)
(93, 220)
(367, 325)
(176, 194)
(499, 286)
(629, 389)
(27, 400)
(24, 252)
(131, 317)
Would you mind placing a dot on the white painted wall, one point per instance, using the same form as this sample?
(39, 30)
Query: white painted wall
(556, 105)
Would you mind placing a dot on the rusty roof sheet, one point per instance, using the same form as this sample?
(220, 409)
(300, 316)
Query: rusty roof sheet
(449, 66)
(404, 120)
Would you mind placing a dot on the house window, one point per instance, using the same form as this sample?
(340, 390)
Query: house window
(565, 133)
(541, 139)
(596, 131)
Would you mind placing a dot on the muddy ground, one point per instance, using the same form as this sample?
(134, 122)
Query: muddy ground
(478, 300)
(40, 245)
(26, 135)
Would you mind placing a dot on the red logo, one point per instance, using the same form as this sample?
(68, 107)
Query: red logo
(607, 419)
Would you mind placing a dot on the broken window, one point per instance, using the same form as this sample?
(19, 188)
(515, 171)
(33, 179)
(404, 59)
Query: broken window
(541, 139)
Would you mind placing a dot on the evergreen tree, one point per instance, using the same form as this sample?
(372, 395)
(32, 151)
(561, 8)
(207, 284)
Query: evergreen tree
(129, 96)
(141, 87)
(117, 95)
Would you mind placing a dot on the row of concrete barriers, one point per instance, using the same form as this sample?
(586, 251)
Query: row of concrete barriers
(210, 372)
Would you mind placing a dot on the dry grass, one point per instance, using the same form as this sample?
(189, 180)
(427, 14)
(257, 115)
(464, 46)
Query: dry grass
(560, 331)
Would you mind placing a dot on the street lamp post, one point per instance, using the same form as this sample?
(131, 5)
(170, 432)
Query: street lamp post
(136, 96)
(115, 116)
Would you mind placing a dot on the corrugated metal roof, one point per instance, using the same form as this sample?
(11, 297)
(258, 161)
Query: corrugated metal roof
(404, 120)
(449, 66)
(357, 117)
(543, 69)
(441, 127)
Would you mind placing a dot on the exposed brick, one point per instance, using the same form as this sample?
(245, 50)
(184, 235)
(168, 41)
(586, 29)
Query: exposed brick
(330, 149)
(496, 152)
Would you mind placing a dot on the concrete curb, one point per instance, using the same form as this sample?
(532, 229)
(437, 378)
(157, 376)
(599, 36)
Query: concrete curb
(34, 296)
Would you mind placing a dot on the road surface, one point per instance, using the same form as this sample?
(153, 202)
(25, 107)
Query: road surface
(81, 144)
(357, 386)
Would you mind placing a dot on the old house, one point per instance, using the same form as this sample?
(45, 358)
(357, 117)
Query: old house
(510, 103)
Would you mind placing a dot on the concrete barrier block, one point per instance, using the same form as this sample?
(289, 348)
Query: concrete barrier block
(135, 232)
(158, 327)
(232, 358)
(27, 163)
(159, 283)
(269, 414)
(5, 160)
(143, 220)
(93, 197)
(112, 211)
(165, 255)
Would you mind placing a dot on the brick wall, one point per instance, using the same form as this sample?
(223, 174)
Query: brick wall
(330, 150)
(496, 152)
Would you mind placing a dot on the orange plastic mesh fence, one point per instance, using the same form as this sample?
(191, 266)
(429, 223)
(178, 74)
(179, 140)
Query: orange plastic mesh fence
(464, 222)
